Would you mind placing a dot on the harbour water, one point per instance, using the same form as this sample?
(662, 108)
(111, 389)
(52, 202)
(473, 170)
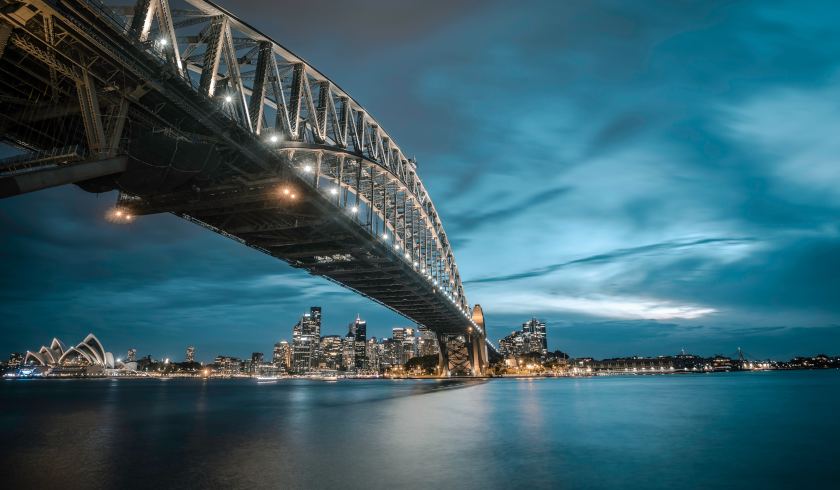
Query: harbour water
(741, 430)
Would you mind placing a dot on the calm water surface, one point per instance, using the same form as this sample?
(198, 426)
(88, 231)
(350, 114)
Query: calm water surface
(753, 430)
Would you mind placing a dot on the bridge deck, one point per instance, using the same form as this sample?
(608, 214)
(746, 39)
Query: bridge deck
(180, 102)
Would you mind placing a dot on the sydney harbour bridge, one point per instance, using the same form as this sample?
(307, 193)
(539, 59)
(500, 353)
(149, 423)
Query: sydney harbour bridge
(186, 109)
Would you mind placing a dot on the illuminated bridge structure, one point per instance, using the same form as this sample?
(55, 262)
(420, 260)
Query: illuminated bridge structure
(186, 109)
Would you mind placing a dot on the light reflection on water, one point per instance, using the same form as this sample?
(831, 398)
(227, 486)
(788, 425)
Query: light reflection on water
(768, 430)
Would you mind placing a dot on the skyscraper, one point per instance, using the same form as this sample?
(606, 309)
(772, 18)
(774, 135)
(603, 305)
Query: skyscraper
(359, 330)
(373, 354)
(132, 355)
(282, 356)
(348, 352)
(331, 351)
(306, 340)
(427, 343)
(531, 339)
(536, 332)
(405, 344)
(190, 355)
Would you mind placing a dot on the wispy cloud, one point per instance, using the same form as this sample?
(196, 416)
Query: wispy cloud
(618, 254)
(598, 306)
(477, 217)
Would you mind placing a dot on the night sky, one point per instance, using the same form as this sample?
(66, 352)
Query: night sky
(644, 176)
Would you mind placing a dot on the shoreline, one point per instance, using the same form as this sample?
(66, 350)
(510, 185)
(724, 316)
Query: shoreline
(395, 378)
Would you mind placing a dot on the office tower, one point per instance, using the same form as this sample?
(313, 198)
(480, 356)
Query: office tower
(306, 340)
(331, 351)
(227, 365)
(132, 355)
(427, 344)
(391, 353)
(373, 352)
(359, 330)
(348, 352)
(282, 355)
(190, 355)
(535, 336)
(406, 344)
(531, 339)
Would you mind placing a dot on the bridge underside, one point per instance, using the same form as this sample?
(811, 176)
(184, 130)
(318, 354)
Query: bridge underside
(105, 99)
(281, 215)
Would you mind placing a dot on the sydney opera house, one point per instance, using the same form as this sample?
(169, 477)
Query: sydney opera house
(87, 357)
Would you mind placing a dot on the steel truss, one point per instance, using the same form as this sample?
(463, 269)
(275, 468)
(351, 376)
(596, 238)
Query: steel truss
(102, 77)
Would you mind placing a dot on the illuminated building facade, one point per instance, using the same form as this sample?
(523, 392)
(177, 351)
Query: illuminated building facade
(306, 340)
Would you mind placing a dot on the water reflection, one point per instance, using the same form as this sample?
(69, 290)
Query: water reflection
(660, 432)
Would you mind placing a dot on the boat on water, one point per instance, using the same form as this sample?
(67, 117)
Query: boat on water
(266, 379)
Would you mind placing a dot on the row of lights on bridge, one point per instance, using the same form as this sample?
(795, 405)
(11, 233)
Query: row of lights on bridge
(355, 209)
(307, 168)
(120, 215)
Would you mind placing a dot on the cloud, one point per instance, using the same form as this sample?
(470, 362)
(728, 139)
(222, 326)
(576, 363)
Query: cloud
(598, 306)
(589, 160)
(655, 248)
(795, 131)
(464, 223)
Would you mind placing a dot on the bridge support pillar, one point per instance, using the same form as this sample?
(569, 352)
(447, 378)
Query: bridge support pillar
(480, 357)
(454, 355)
(443, 356)
(477, 354)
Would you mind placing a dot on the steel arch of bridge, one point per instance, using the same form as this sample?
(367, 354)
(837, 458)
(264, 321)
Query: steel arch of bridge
(311, 115)
(290, 114)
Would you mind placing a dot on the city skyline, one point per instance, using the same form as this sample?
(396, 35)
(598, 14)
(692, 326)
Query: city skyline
(655, 203)
(531, 339)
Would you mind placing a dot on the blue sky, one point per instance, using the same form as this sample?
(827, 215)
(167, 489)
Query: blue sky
(644, 176)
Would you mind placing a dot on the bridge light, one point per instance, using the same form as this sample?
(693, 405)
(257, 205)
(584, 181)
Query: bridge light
(286, 191)
(384, 236)
(333, 191)
(407, 256)
(228, 98)
(354, 209)
(307, 168)
(415, 263)
(274, 138)
(396, 246)
(163, 41)
(118, 213)
(293, 196)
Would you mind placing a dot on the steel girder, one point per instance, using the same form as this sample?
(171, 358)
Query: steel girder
(229, 85)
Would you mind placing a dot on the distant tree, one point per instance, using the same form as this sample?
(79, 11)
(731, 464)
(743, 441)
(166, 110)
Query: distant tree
(426, 364)
(558, 354)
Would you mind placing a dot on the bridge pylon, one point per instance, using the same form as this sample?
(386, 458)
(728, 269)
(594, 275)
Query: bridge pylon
(462, 354)
(479, 343)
